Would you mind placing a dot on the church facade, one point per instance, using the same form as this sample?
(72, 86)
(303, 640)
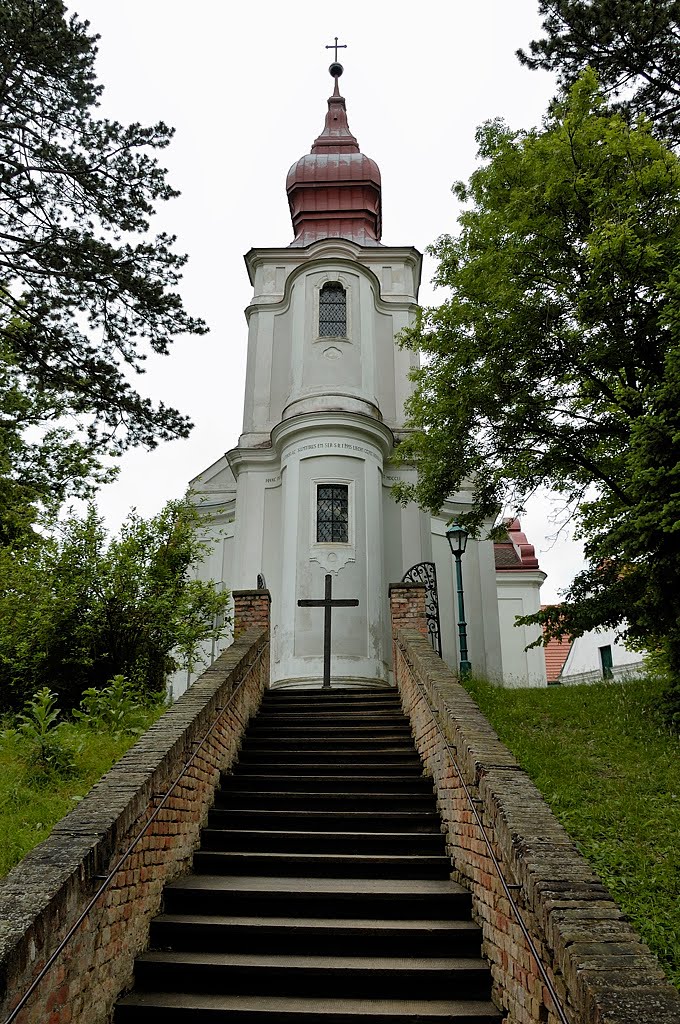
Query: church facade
(306, 492)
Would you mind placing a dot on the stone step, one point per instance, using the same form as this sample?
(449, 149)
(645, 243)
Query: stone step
(321, 756)
(287, 841)
(307, 935)
(411, 768)
(322, 865)
(389, 743)
(175, 1008)
(332, 696)
(350, 728)
(301, 712)
(277, 800)
(365, 730)
(336, 976)
(331, 821)
(312, 897)
(359, 716)
(329, 783)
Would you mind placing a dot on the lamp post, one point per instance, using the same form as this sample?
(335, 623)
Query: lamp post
(457, 537)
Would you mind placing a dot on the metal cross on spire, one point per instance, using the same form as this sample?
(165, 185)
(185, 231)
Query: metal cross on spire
(335, 46)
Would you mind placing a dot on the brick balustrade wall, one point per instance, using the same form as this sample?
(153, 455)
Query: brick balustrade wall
(598, 964)
(251, 608)
(43, 896)
(407, 610)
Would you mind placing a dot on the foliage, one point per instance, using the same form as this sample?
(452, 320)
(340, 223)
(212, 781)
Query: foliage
(610, 771)
(82, 302)
(77, 609)
(41, 735)
(116, 708)
(31, 803)
(40, 459)
(633, 45)
(556, 360)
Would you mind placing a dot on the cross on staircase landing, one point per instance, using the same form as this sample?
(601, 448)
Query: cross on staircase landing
(328, 603)
(321, 891)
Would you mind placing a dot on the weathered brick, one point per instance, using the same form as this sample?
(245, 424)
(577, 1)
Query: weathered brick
(596, 962)
(43, 896)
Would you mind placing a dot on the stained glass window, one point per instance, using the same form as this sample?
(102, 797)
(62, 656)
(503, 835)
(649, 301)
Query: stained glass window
(332, 514)
(332, 311)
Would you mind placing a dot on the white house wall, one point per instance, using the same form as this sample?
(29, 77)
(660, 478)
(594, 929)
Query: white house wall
(519, 594)
(583, 663)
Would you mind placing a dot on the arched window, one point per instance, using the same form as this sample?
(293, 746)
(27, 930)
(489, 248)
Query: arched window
(332, 311)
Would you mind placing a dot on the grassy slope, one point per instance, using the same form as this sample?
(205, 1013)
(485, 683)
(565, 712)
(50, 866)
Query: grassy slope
(611, 774)
(30, 806)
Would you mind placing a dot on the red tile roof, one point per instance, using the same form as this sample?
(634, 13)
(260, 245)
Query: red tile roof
(514, 553)
(556, 653)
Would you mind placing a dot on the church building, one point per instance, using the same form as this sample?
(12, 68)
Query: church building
(306, 491)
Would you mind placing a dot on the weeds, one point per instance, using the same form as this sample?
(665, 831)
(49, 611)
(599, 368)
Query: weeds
(41, 738)
(47, 765)
(118, 708)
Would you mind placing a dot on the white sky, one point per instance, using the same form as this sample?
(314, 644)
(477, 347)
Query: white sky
(245, 86)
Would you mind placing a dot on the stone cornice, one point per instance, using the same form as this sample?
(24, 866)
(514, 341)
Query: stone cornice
(338, 250)
(322, 423)
(263, 458)
(520, 577)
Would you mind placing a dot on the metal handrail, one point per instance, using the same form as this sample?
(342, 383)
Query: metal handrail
(116, 868)
(507, 887)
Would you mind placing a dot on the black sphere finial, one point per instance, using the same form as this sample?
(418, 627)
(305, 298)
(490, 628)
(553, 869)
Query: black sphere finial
(336, 69)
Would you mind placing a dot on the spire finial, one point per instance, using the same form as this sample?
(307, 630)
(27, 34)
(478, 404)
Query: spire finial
(335, 46)
(336, 68)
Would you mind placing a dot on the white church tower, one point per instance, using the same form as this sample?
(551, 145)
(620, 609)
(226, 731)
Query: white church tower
(306, 492)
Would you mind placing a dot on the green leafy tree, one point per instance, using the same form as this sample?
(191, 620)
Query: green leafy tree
(42, 460)
(556, 359)
(77, 609)
(634, 45)
(82, 301)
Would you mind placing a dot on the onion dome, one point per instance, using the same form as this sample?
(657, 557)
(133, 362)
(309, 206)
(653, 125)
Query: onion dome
(334, 191)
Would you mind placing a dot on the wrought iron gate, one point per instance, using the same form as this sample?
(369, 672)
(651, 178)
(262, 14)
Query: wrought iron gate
(426, 572)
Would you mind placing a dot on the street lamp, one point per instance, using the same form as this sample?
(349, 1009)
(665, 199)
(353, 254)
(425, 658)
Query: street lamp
(457, 537)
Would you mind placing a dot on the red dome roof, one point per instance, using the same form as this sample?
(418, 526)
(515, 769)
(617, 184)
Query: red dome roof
(334, 191)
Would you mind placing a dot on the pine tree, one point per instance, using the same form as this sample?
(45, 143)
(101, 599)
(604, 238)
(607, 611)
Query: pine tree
(633, 45)
(82, 300)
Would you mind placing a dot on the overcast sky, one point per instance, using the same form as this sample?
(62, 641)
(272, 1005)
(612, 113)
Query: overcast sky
(245, 86)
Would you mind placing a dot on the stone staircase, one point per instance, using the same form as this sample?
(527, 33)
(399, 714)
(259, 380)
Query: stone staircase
(321, 890)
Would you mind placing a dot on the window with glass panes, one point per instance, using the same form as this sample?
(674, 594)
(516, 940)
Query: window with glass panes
(332, 311)
(332, 518)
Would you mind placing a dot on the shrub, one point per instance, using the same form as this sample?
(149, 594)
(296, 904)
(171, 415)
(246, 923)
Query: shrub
(118, 708)
(78, 608)
(41, 738)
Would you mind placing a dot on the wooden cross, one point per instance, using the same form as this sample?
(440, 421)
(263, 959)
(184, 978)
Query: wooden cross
(334, 46)
(328, 604)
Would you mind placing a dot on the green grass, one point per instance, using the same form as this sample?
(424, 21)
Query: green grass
(610, 771)
(31, 803)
